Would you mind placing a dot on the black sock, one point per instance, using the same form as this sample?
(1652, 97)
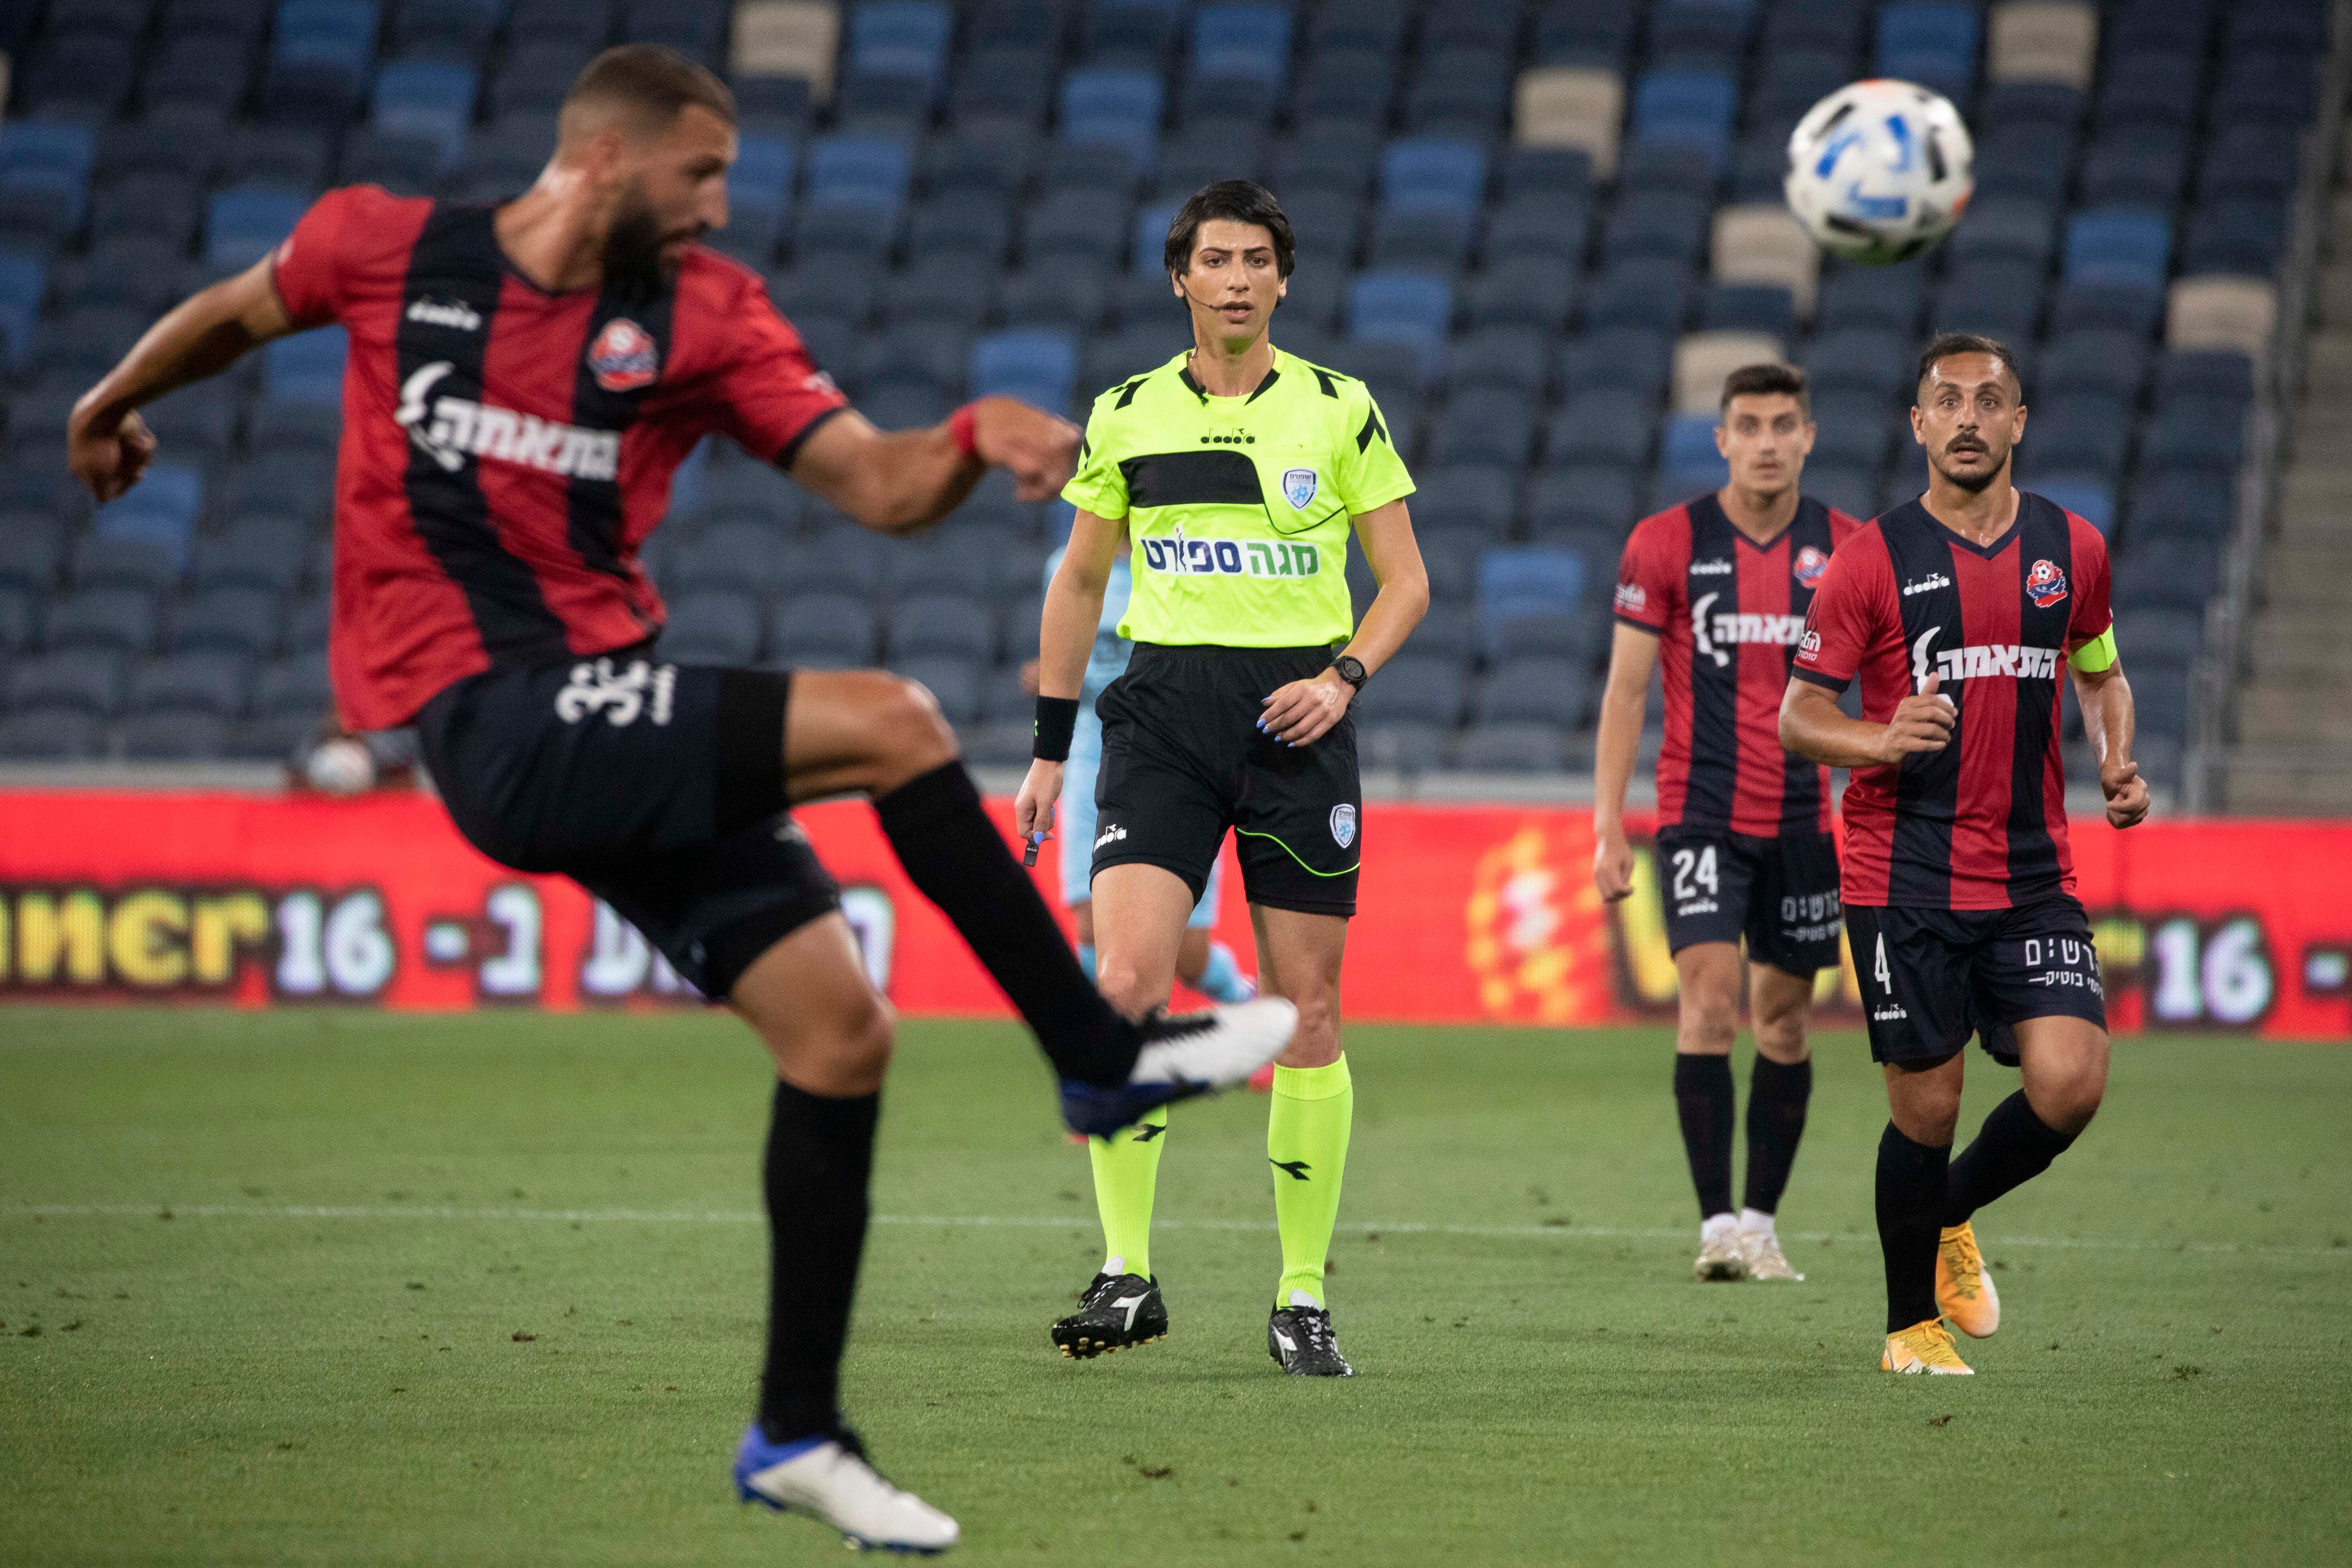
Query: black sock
(943, 837)
(820, 1155)
(2012, 1147)
(1776, 1095)
(1910, 1211)
(1703, 1097)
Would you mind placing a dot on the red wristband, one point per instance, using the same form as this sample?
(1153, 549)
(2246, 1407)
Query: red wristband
(962, 425)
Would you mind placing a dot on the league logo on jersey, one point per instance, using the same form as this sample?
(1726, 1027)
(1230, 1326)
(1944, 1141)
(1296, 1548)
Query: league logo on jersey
(1298, 488)
(2045, 584)
(1810, 566)
(623, 358)
(1343, 824)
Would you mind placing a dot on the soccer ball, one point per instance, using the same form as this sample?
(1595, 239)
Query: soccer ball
(1879, 171)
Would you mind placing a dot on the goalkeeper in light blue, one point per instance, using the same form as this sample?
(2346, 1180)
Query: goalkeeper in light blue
(1208, 966)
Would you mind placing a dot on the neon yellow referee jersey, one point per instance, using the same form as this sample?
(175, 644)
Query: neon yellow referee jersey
(1237, 508)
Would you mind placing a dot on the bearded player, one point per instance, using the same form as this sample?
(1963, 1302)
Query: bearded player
(1956, 610)
(1717, 589)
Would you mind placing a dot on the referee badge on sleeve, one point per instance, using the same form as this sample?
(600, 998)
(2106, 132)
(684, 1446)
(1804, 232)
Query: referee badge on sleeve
(1298, 489)
(1343, 824)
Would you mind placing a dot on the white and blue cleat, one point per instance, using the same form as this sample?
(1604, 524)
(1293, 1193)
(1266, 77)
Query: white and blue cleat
(1183, 1056)
(828, 1478)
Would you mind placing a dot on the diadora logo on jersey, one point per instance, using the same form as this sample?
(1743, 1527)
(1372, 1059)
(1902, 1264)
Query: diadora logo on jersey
(1810, 566)
(1111, 835)
(624, 357)
(1710, 568)
(1632, 596)
(451, 313)
(1927, 585)
(1978, 661)
(2045, 584)
(1298, 488)
(1230, 557)
(451, 429)
(1715, 636)
(1343, 825)
(621, 695)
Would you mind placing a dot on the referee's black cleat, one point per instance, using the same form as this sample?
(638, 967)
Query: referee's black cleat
(1114, 1312)
(1300, 1340)
(1183, 1055)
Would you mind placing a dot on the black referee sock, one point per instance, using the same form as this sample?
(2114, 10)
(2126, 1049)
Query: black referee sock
(942, 835)
(820, 1156)
(1910, 1214)
(2011, 1148)
(1702, 1099)
(1778, 1093)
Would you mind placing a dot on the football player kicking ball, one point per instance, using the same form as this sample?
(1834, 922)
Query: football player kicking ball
(524, 381)
(1232, 477)
(1719, 587)
(1956, 610)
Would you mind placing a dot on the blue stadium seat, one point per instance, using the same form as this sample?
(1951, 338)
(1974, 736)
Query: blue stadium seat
(943, 625)
(866, 103)
(318, 60)
(2158, 26)
(903, 38)
(89, 680)
(1691, 109)
(1603, 501)
(823, 630)
(115, 620)
(1139, 35)
(427, 98)
(1688, 459)
(2191, 435)
(2091, 496)
(1585, 32)
(244, 621)
(1853, 430)
(1887, 298)
(1512, 749)
(1555, 692)
(713, 626)
(1403, 307)
(306, 368)
(1649, 227)
(1599, 428)
(1250, 42)
(2078, 433)
(1459, 92)
(454, 30)
(2094, 307)
(1499, 359)
(1433, 174)
(210, 683)
(2013, 227)
(2219, 374)
(2118, 245)
(1834, 27)
(1478, 494)
(1931, 42)
(1999, 297)
(2267, 89)
(1577, 636)
(870, 173)
(1852, 491)
(1418, 689)
(754, 556)
(1750, 308)
(2284, 27)
(1116, 107)
(2108, 362)
(19, 622)
(1634, 361)
(2147, 89)
(1527, 582)
(2250, 161)
(1347, 92)
(23, 282)
(162, 511)
(1710, 35)
(2245, 235)
(52, 734)
(244, 224)
(2184, 503)
(1642, 292)
(123, 561)
(1793, 81)
(1039, 366)
(2138, 166)
(1523, 291)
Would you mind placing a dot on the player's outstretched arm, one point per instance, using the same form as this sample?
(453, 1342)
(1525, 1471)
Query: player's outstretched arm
(2111, 719)
(903, 481)
(1633, 654)
(1304, 711)
(107, 446)
(1813, 727)
(1066, 633)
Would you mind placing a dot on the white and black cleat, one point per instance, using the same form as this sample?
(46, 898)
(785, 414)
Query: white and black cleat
(1114, 1312)
(827, 1477)
(1300, 1337)
(1183, 1055)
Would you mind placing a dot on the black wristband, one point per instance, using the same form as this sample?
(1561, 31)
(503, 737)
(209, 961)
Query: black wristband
(1057, 720)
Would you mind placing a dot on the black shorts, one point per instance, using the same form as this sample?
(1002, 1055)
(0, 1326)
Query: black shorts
(1780, 893)
(1183, 761)
(657, 787)
(1930, 978)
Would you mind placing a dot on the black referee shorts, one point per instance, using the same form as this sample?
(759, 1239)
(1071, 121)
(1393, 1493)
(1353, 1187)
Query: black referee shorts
(1183, 760)
(657, 787)
(1930, 978)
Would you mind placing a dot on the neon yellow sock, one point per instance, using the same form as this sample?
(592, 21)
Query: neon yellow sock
(1127, 1175)
(1306, 1142)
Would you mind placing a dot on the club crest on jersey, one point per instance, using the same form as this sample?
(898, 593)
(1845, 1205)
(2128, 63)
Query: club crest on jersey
(2045, 584)
(1810, 566)
(1298, 488)
(1343, 825)
(623, 358)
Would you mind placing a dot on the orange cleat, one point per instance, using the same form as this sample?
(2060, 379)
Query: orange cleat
(1964, 1286)
(1925, 1348)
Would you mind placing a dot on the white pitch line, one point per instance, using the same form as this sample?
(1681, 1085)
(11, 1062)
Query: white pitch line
(1042, 1222)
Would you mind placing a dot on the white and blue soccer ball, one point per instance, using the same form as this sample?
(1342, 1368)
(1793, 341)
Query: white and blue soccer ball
(1879, 171)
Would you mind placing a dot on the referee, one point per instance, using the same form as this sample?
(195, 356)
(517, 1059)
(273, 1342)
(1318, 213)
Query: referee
(1231, 477)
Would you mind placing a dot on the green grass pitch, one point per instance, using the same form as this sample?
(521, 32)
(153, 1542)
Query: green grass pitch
(521, 1325)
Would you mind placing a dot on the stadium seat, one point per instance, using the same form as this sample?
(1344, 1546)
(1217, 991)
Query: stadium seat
(52, 734)
(1999, 297)
(713, 626)
(1571, 107)
(2137, 165)
(1499, 359)
(2020, 160)
(2216, 374)
(2004, 228)
(116, 620)
(1599, 428)
(32, 554)
(1687, 109)
(839, 558)
(1527, 582)
(306, 368)
(1852, 431)
(905, 38)
(1250, 42)
(2091, 496)
(1417, 690)
(454, 30)
(952, 682)
(1703, 360)
(114, 560)
(1598, 500)
(1764, 244)
(84, 77)
(19, 622)
(1688, 459)
(1555, 692)
(1403, 307)
(320, 55)
(2231, 314)
(1120, 108)
(862, 171)
(294, 687)
(431, 98)
(789, 38)
(1931, 42)
(943, 625)
(1852, 491)
(87, 682)
(2267, 89)
(2172, 28)
(823, 630)
(2090, 307)
(1347, 92)
(2147, 89)
(208, 683)
(2108, 362)
(2082, 431)
(1890, 298)
(1524, 292)
(735, 557)
(2195, 432)
(2246, 236)
(2045, 41)
(2119, 245)
(1512, 749)
(1037, 365)
(237, 620)
(1645, 293)
(1863, 359)
(244, 224)
(1765, 310)
(160, 511)
(1476, 495)
(1633, 361)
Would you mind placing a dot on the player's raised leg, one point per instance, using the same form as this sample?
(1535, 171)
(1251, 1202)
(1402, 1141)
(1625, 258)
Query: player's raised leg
(813, 1007)
(1779, 1091)
(1306, 1132)
(1706, 1019)
(1140, 910)
(873, 733)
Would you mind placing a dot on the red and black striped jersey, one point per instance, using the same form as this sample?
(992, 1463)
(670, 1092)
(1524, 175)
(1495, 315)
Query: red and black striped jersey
(1728, 613)
(1981, 824)
(506, 450)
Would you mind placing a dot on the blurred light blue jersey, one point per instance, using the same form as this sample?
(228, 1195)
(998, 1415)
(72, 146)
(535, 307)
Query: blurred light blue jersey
(1106, 663)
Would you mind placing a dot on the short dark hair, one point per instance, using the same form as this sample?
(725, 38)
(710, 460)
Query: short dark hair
(1948, 344)
(652, 81)
(1763, 380)
(1229, 201)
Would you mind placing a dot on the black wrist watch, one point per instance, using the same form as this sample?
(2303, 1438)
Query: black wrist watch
(1351, 670)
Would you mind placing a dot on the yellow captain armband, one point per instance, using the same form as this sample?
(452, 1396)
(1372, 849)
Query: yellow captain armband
(2097, 655)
